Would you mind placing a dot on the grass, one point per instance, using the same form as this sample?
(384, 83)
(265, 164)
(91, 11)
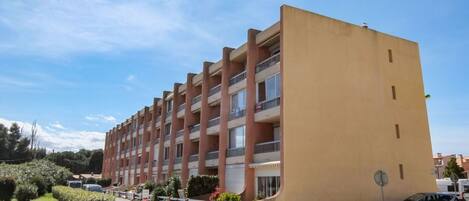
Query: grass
(46, 197)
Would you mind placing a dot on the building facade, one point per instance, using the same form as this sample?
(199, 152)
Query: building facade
(440, 162)
(310, 107)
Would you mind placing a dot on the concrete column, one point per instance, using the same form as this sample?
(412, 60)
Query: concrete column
(224, 112)
(252, 59)
(145, 122)
(188, 121)
(204, 115)
(162, 136)
(152, 137)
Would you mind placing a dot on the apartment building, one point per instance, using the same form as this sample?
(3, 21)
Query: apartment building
(307, 109)
(440, 162)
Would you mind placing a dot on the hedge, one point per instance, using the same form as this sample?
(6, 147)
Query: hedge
(172, 186)
(229, 197)
(201, 185)
(63, 193)
(26, 192)
(7, 188)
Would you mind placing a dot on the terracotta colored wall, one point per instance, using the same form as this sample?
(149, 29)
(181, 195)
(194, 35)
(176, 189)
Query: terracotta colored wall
(337, 106)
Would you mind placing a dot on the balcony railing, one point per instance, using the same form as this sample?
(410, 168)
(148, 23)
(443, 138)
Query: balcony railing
(237, 78)
(166, 162)
(180, 133)
(177, 160)
(196, 99)
(169, 115)
(213, 122)
(268, 62)
(237, 114)
(157, 140)
(194, 157)
(264, 105)
(145, 165)
(212, 155)
(195, 128)
(266, 147)
(235, 152)
(154, 164)
(214, 90)
(181, 107)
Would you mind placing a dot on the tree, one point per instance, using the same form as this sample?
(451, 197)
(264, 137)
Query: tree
(3, 142)
(12, 139)
(96, 161)
(452, 168)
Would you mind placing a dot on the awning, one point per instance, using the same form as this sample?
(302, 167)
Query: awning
(265, 164)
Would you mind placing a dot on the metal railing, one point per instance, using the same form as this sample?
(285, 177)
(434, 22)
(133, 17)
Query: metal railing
(194, 157)
(177, 160)
(166, 162)
(169, 115)
(272, 60)
(264, 105)
(212, 155)
(145, 165)
(181, 107)
(214, 90)
(237, 78)
(195, 128)
(235, 152)
(196, 99)
(213, 122)
(180, 133)
(154, 164)
(237, 114)
(157, 140)
(266, 147)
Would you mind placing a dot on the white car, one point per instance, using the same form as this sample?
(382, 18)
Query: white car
(432, 197)
(461, 189)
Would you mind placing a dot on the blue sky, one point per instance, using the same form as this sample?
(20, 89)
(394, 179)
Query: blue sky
(80, 67)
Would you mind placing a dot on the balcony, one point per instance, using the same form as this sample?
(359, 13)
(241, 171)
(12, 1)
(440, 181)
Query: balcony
(194, 157)
(196, 99)
(237, 78)
(264, 105)
(177, 160)
(157, 140)
(214, 90)
(267, 147)
(154, 164)
(145, 165)
(180, 133)
(212, 155)
(213, 122)
(268, 62)
(237, 114)
(235, 152)
(166, 162)
(181, 107)
(195, 128)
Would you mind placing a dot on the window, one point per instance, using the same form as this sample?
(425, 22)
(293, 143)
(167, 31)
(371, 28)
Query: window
(390, 55)
(393, 88)
(401, 171)
(276, 133)
(236, 137)
(269, 89)
(169, 106)
(134, 142)
(398, 132)
(167, 129)
(267, 186)
(179, 150)
(238, 101)
(166, 153)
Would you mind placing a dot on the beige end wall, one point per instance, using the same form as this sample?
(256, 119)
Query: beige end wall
(339, 116)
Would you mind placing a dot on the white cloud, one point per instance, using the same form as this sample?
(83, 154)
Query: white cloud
(101, 118)
(57, 125)
(61, 140)
(59, 28)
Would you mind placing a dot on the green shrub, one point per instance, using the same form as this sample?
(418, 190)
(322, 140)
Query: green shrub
(7, 188)
(158, 191)
(201, 185)
(63, 193)
(104, 182)
(40, 184)
(26, 192)
(23, 173)
(172, 187)
(229, 197)
(150, 185)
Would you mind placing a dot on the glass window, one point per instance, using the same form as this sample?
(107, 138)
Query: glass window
(267, 186)
(166, 153)
(276, 133)
(169, 105)
(179, 150)
(238, 101)
(236, 139)
(272, 85)
(167, 129)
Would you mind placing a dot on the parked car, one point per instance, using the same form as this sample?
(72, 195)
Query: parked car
(74, 184)
(432, 197)
(93, 188)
